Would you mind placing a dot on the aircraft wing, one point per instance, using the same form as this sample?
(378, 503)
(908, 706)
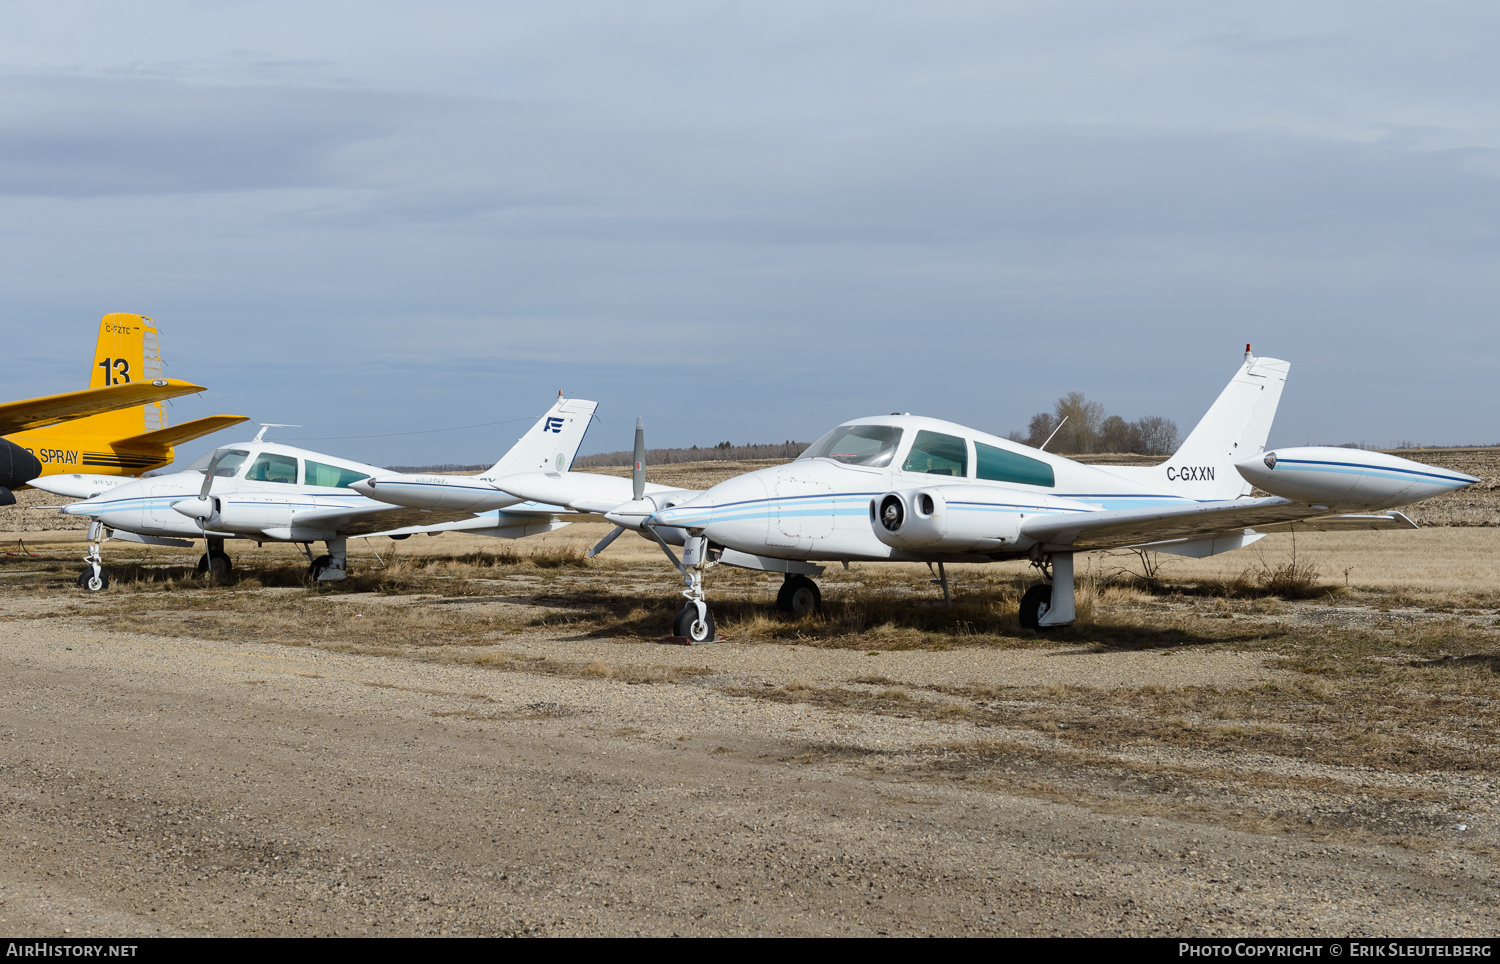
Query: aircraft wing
(386, 519)
(492, 523)
(186, 432)
(369, 520)
(1115, 529)
(1343, 523)
(47, 410)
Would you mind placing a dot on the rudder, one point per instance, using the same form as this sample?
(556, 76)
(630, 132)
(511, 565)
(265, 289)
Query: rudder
(1233, 429)
(552, 443)
(127, 351)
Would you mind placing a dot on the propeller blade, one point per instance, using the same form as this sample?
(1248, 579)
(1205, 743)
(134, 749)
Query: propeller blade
(604, 543)
(208, 475)
(638, 474)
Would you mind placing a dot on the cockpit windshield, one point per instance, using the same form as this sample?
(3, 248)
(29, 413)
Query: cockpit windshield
(229, 462)
(872, 445)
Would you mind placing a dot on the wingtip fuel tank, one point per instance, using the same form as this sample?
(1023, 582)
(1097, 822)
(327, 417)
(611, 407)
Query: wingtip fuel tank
(1342, 478)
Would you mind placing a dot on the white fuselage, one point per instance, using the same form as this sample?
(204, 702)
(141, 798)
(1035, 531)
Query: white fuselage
(244, 507)
(970, 496)
(820, 508)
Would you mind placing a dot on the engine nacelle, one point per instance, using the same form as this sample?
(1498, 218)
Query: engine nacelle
(944, 519)
(223, 514)
(1348, 478)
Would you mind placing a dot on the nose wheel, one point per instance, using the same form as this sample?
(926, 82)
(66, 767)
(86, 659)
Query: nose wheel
(695, 623)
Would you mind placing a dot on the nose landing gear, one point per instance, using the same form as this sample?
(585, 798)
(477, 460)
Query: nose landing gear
(95, 578)
(694, 623)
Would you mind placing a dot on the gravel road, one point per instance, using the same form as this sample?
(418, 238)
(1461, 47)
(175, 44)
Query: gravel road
(156, 785)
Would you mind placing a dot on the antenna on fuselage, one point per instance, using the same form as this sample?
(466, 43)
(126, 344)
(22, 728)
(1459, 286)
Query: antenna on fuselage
(1054, 432)
(261, 435)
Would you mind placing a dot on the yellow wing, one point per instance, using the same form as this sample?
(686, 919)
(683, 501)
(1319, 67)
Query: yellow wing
(47, 410)
(186, 432)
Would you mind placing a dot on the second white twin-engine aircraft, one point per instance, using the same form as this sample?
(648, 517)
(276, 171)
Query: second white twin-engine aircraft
(906, 488)
(265, 491)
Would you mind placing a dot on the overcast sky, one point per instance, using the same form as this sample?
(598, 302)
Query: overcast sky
(751, 221)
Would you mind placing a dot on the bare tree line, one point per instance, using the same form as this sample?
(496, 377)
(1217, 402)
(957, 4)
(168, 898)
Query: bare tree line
(723, 452)
(1086, 429)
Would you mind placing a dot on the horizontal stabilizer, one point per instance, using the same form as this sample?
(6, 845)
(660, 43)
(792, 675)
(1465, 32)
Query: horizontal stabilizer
(47, 410)
(186, 432)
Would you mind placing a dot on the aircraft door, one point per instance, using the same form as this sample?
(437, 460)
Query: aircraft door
(159, 512)
(804, 513)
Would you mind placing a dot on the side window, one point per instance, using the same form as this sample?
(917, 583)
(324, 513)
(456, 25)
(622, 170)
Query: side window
(999, 465)
(331, 475)
(271, 467)
(937, 454)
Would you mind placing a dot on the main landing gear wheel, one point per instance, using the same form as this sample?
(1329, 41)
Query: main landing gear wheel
(216, 564)
(799, 595)
(93, 582)
(689, 625)
(318, 567)
(1034, 605)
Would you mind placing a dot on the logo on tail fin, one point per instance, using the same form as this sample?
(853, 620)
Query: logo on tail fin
(553, 424)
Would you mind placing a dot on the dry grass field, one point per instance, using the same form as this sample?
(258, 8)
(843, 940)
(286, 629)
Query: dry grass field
(1351, 713)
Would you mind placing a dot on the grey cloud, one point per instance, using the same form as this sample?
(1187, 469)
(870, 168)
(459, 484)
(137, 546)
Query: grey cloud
(82, 137)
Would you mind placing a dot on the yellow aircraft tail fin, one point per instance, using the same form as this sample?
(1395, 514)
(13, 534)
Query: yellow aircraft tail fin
(127, 351)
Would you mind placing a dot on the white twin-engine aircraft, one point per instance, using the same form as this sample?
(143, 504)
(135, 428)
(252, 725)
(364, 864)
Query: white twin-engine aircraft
(904, 488)
(269, 492)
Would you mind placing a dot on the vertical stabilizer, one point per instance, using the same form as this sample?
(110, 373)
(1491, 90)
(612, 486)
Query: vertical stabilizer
(127, 351)
(1234, 429)
(552, 443)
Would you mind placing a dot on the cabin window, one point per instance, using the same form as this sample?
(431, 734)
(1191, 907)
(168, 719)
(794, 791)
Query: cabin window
(271, 467)
(331, 475)
(936, 454)
(873, 445)
(1000, 465)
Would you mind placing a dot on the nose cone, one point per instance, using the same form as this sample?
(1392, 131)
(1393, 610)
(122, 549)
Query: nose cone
(365, 487)
(1258, 469)
(102, 504)
(195, 508)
